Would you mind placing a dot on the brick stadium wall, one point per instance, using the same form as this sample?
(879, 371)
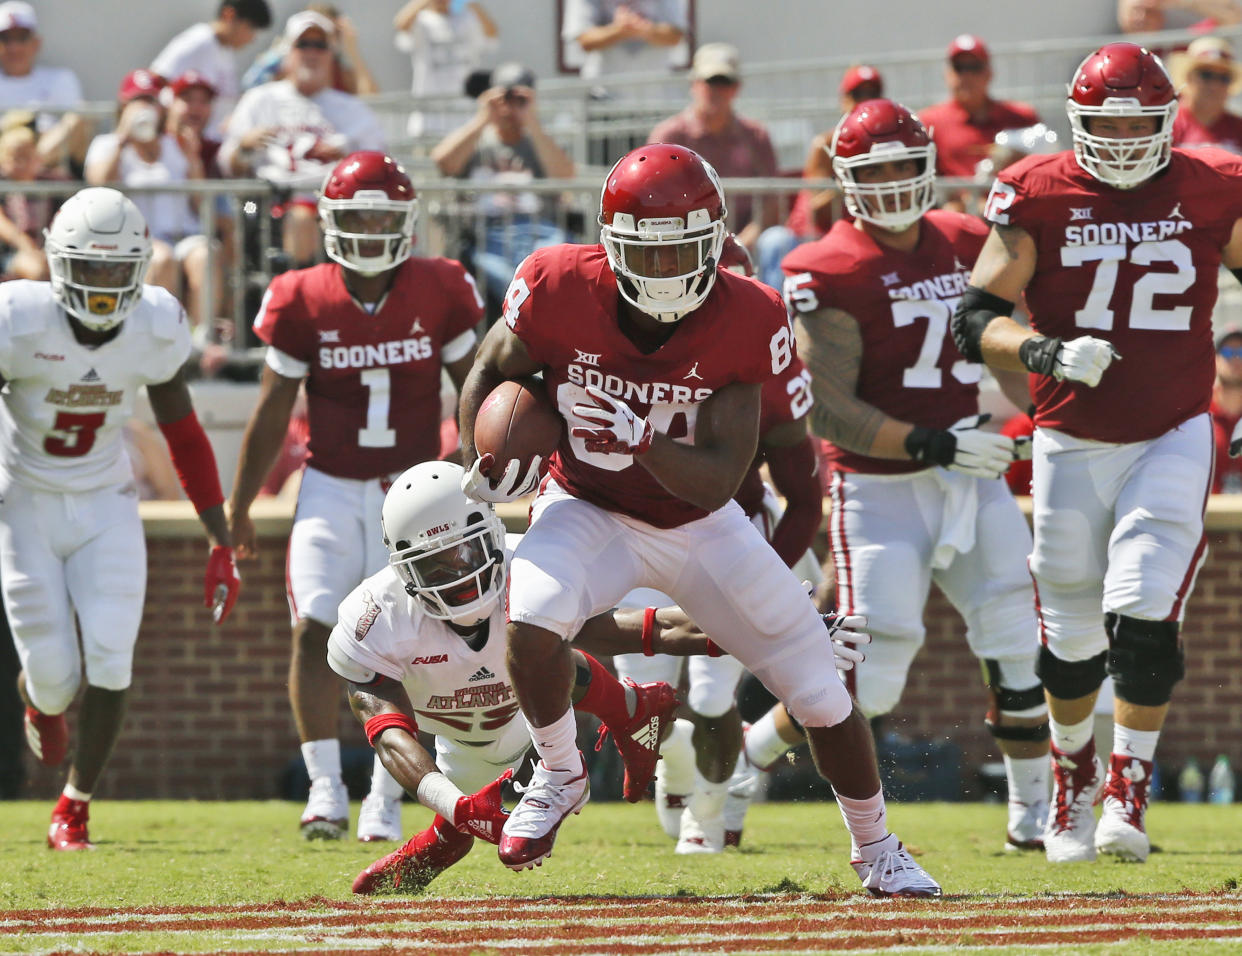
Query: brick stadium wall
(209, 716)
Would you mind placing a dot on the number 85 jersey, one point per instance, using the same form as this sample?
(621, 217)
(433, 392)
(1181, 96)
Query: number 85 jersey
(1135, 267)
(562, 305)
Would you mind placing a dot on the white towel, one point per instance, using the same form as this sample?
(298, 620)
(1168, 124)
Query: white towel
(957, 518)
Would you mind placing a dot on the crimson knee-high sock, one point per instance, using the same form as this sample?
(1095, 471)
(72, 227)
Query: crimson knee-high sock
(605, 696)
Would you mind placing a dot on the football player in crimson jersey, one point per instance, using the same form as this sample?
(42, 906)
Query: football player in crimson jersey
(73, 355)
(656, 360)
(1116, 247)
(368, 332)
(699, 804)
(916, 488)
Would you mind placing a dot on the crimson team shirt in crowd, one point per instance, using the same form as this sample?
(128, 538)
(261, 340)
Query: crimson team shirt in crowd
(372, 381)
(903, 302)
(563, 306)
(1189, 133)
(961, 142)
(1136, 267)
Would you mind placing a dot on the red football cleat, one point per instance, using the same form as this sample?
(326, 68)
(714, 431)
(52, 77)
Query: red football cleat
(640, 737)
(48, 736)
(68, 829)
(423, 858)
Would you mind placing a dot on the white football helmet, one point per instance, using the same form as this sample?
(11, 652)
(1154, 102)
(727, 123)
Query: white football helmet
(98, 250)
(447, 549)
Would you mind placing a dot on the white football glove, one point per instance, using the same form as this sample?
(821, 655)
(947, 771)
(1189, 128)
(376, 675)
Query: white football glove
(1083, 359)
(846, 633)
(1235, 441)
(611, 426)
(979, 453)
(511, 485)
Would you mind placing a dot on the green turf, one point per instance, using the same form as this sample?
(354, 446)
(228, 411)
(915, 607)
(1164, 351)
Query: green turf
(185, 853)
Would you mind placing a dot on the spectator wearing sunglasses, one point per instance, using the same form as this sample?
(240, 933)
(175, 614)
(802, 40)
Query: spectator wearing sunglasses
(1207, 75)
(965, 125)
(1227, 408)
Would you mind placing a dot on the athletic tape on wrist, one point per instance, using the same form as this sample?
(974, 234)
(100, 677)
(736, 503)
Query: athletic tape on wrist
(648, 631)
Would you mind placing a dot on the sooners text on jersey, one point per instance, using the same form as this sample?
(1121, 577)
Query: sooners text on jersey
(563, 305)
(903, 303)
(1138, 268)
(373, 381)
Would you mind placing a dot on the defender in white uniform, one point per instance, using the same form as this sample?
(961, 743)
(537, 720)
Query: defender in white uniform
(73, 354)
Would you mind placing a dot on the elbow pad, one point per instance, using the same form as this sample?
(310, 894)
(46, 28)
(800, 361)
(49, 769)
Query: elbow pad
(974, 311)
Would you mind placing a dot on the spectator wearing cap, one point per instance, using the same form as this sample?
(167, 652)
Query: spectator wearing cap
(210, 50)
(350, 73)
(1206, 75)
(965, 126)
(505, 142)
(812, 213)
(1226, 408)
(24, 83)
(190, 98)
(1200, 16)
(734, 145)
(140, 153)
(445, 41)
(622, 36)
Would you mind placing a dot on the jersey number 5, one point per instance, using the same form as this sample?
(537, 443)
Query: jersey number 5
(73, 434)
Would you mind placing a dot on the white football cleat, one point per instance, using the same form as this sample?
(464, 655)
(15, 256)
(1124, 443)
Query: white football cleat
(886, 868)
(1077, 780)
(379, 819)
(326, 816)
(550, 797)
(1027, 822)
(674, 777)
(1122, 832)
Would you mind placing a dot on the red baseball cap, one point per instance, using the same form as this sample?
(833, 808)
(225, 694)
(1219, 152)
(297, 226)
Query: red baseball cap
(140, 83)
(967, 44)
(189, 80)
(856, 76)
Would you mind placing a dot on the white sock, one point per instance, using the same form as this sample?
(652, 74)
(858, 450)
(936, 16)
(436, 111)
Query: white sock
(867, 820)
(708, 800)
(676, 766)
(1071, 738)
(763, 745)
(73, 793)
(322, 758)
(1028, 779)
(382, 782)
(557, 743)
(1131, 743)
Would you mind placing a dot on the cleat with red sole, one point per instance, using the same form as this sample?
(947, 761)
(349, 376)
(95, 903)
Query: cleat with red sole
(550, 797)
(422, 858)
(639, 739)
(47, 736)
(68, 828)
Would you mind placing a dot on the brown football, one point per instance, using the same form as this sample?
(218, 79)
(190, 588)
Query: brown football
(517, 420)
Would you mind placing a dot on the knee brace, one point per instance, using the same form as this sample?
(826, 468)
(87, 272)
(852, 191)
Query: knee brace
(1069, 680)
(1145, 659)
(1028, 702)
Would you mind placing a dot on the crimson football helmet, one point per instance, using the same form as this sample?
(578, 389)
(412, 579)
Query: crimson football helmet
(736, 257)
(661, 217)
(1122, 80)
(883, 131)
(368, 209)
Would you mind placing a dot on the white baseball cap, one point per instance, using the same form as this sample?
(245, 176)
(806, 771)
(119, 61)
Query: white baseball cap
(16, 15)
(305, 20)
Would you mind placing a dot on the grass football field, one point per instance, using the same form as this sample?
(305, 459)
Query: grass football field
(185, 877)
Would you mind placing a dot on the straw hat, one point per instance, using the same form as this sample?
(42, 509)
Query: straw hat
(1206, 51)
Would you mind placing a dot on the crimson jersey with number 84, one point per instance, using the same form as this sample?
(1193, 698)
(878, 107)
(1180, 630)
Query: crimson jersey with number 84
(562, 305)
(1135, 267)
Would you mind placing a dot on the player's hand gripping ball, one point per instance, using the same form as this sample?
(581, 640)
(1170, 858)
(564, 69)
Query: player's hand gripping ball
(517, 428)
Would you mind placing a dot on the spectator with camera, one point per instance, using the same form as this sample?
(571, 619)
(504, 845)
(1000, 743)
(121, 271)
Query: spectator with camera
(505, 143)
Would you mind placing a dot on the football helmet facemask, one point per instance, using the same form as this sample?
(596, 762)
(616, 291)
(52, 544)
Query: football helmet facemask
(1122, 80)
(883, 131)
(447, 549)
(661, 219)
(368, 209)
(98, 251)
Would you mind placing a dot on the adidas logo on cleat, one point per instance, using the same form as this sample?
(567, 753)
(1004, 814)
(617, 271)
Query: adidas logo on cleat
(648, 735)
(482, 674)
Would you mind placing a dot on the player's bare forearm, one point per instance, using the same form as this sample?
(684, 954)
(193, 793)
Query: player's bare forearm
(217, 526)
(264, 437)
(726, 434)
(794, 471)
(501, 356)
(1004, 268)
(620, 631)
(399, 751)
(830, 344)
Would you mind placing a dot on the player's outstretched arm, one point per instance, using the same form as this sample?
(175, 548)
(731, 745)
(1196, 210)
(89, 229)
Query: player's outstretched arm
(265, 434)
(195, 462)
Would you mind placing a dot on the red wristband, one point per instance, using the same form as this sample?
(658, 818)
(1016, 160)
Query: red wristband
(713, 649)
(648, 631)
(194, 460)
(380, 722)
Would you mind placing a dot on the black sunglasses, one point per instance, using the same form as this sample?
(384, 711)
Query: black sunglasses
(311, 45)
(1212, 76)
(967, 66)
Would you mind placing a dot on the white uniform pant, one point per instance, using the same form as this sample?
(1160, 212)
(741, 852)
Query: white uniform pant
(67, 553)
(578, 560)
(1118, 528)
(336, 542)
(892, 535)
(473, 766)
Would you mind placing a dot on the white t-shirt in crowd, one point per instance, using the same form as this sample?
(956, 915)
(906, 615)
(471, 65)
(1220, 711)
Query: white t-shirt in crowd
(444, 49)
(196, 48)
(42, 86)
(169, 215)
